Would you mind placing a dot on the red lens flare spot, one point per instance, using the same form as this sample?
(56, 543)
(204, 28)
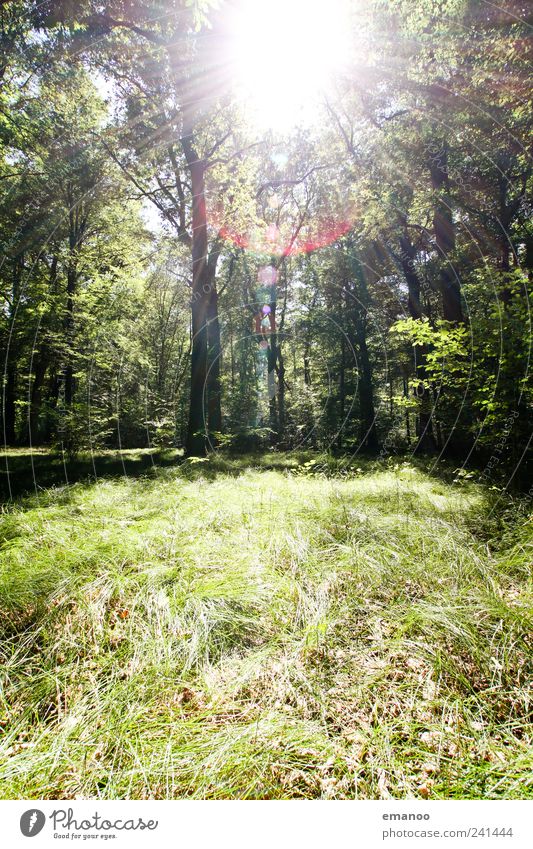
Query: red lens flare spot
(310, 239)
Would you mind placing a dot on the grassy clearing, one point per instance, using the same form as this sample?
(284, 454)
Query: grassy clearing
(268, 628)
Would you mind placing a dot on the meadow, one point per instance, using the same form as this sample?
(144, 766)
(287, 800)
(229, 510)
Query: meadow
(267, 627)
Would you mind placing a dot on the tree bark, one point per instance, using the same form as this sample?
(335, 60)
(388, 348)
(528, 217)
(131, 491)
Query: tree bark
(272, 355)
(196, 428)
(69, 332)
(342, 391)
(77, 224)
(444, 230)
(368, 432)
(281, 396)
(405, 380)
(307, 366)
(9, 401)
(9, 395)
(424, 426)
(214, 410)
(357, 335)
(40, 369)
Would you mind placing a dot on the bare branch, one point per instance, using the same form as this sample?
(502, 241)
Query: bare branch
(113, 23)
(276, 184)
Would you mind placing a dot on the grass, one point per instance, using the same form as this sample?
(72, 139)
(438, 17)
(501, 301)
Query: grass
(271, 627)
(25, 470)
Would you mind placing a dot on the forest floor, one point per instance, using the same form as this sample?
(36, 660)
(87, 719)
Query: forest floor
(284, 626)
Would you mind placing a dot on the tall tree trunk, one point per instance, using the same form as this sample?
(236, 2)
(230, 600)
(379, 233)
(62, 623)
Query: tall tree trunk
(368, 432)
(281, 396)
(232, 360)
(10, 400)
(40, 365)
(424, 426)
(196, 429)
(444, 230)
(407, 259)
(357, 335)
(272, 356)
(9, 394)
(342, 391)
(39, 374)
(214, 411)
(307, 348)
(505, 214)
(406, 396)
(307, 367)
(76, 230)
(69, 333)
(278, 360)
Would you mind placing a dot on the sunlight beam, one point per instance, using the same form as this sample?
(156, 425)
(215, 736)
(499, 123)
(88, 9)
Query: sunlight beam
(285, 54)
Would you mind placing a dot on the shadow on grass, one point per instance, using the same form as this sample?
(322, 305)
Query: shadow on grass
(25, 472)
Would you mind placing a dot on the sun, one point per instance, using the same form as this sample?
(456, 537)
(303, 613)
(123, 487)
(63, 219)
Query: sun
(284, 55)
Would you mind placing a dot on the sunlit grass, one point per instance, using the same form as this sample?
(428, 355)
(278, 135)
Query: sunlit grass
(273, 627)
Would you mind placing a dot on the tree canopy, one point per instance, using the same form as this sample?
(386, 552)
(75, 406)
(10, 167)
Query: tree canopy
(343, 263)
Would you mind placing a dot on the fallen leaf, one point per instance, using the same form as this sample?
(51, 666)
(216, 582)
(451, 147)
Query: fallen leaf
(185, 696)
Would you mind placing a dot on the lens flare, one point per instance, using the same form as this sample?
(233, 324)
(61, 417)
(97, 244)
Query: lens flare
(316, 234)
(284, 57)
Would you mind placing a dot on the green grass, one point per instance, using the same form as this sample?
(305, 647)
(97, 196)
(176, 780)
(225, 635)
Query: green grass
(269, 627)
